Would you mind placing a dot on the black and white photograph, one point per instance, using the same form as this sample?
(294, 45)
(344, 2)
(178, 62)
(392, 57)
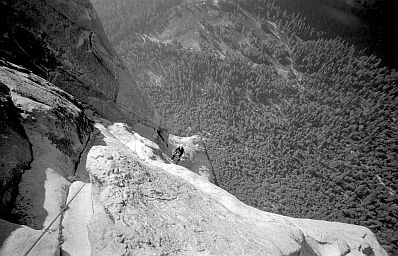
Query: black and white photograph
(198, 127)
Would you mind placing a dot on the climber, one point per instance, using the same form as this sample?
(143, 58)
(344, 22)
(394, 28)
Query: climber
(179, 151)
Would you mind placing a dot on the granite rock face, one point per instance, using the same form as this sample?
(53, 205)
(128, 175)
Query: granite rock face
(64, 43)
(16, 239)
(144, 205)
(131, 200)
(15, 152)
(57, 131)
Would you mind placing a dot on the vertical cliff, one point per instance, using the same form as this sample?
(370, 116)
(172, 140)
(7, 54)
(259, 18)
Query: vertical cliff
(64, 43)
(15, 151)
(50, 130)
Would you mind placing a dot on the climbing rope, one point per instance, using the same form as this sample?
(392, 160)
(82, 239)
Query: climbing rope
(63, 209)
(66, 207)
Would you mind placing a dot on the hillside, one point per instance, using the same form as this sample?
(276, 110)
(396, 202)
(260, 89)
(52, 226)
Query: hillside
(296, 123)
(368, 24)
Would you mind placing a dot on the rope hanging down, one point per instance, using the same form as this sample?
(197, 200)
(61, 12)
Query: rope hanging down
(66, 207)
(63, 209)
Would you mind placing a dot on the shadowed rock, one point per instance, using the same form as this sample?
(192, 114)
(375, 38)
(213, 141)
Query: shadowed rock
(15, 153)
(17, 239)
(57, 130)
(64, 42)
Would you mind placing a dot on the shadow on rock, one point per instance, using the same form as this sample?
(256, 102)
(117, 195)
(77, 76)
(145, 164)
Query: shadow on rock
(96, 139)
(15, 158)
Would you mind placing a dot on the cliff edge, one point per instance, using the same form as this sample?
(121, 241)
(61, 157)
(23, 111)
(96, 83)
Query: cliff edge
(118, 194)
(84, 166)
(64, 43)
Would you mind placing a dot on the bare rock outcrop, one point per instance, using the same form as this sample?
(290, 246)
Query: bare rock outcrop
(138, 203)
(143, 205)
(58, 131)
(17, 239)
(64, 42)
(74, 234)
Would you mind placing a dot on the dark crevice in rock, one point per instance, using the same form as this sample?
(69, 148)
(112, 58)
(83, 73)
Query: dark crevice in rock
(63, 253)
(114, 67)
(42, 69)
(97, 182)
(211, 165)
(61, 227)
(110, 215)
(347, 252)
(90, 37)
(9, 216)
(306, 249)
(13, 163)
(79, 157)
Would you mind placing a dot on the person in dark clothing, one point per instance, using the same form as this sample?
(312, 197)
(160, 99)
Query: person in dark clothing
(179, 151)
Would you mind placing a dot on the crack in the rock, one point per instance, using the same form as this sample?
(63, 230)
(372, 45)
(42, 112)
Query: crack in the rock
(100, 58)
(61, 227)
(211, 165)
(77, 163)
(84, 148)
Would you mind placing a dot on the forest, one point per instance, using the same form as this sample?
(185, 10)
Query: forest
(367, 23)
(319, 142)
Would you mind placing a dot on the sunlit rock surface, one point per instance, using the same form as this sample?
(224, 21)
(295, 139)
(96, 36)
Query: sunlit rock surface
(58, 131)
(17, 239)
(143, 205)
(137, 201)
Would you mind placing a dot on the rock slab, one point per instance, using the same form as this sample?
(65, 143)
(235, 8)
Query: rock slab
(147, 206)
(75, 233)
